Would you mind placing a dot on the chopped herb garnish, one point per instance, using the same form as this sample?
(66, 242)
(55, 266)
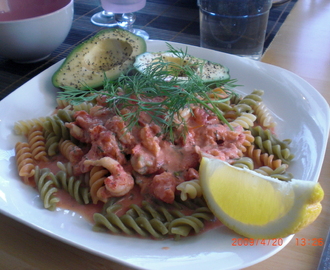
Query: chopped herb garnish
(159, 92)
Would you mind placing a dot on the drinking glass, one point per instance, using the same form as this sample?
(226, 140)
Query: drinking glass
(235, 26)
(122, 14)
(104, 18)
(126, 21)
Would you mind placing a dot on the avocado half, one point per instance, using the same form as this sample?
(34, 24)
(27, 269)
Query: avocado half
(207, 70)
(109, 53)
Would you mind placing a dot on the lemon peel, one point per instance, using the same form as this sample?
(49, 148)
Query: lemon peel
(258, 206)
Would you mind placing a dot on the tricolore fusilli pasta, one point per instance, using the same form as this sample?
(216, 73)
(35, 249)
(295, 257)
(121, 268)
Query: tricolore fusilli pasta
(97, 156)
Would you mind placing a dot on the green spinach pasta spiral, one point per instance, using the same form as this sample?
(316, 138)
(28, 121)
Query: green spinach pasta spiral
(128, 225)
(249, 102)
(158, 211)
(65, 115)
(55, 125)
(55, 131)
(152, 220)
(132, 222)
(223, 107)
(68, 169)
(46, 187)
(279, 172)
(244, 162)
(51, 143)
(74, 187)
(183, 226)
(267, 142)
(84, 106)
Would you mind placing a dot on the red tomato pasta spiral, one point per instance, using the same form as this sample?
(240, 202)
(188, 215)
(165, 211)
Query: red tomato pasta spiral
(262, 159)
(25, 162)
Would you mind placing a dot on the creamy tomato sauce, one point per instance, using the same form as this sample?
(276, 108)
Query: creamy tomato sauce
(144, 155)
(142, 163)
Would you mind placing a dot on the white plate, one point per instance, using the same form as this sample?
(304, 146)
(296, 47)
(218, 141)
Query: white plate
(300, 111)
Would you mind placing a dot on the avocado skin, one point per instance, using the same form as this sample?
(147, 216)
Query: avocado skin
(109, 53)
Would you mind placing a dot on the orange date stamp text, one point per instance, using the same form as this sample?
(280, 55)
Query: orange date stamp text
(257, 242)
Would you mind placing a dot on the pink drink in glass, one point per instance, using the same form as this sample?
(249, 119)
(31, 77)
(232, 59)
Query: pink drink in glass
(123, 6)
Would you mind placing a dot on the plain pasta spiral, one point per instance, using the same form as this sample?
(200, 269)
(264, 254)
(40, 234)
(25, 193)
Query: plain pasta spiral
(190, 189)
(246, 120)
(36, 142)
(23, 127)
(96, 182)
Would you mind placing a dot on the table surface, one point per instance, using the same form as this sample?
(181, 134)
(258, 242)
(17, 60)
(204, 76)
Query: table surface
(301, 45)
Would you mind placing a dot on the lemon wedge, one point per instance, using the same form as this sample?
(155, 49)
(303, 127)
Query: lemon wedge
(255, 205)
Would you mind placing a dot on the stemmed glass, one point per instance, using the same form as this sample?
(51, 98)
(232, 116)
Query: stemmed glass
(104, 18)
(126, 21)
(120, 13)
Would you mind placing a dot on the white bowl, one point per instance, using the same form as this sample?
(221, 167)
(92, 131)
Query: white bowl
(33, 39)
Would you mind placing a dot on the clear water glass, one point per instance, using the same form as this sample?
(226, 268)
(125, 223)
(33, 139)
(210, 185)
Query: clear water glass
(236, 26)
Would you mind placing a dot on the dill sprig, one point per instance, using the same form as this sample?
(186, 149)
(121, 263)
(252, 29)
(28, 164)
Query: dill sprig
(160, 92)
